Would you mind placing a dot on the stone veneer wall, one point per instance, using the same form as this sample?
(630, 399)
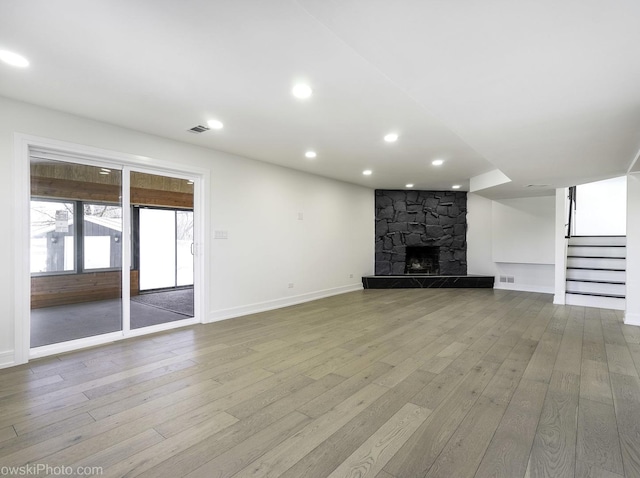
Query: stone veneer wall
(420, 218)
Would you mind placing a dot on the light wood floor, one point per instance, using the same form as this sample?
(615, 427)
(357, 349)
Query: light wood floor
(397, 383)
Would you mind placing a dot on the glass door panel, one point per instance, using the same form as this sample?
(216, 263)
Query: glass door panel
(184, 249)
(157, 249)
(162, 238)
(75, 251)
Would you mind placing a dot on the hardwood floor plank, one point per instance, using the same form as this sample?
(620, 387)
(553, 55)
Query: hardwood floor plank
(598, 444)
(329, 399)
(327, 456)
(595, 384)
(7, 433)
(620, 361)
(417, 455)
(544, 358)
(509, 450)
(374, 453)
(587, 471)
(286, 454)
(626, 398)
(235, 459)
(554, 445)
(143, 460)
(208, 448)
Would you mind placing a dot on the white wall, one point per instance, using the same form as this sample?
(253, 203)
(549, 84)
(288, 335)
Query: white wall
(513, 238)
(479, 236)
(257, 203)
(601, 208)
(524, 230)
(632, 315)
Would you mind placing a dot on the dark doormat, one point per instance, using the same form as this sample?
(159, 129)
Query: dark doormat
(179, 301)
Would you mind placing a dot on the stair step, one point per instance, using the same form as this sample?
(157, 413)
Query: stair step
(613, 263)
(596, 275)
(597, 251)
(597, 240)
(595, 295)
(610, 289)
(595, 257)
(597, 245)
(615, 303)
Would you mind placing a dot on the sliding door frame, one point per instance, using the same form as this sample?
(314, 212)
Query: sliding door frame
(24, 145)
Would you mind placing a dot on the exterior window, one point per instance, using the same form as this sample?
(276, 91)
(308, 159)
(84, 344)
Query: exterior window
(53, 236)
(102, 233)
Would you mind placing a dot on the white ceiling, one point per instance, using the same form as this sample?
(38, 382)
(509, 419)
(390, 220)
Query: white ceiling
(548, 92)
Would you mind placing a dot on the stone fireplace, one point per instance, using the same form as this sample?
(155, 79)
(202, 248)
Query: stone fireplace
(422, 260)
(410, 223)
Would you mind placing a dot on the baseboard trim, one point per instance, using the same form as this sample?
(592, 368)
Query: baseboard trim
(525, 288)
(224, 314)
(7, 359)
(631, 319)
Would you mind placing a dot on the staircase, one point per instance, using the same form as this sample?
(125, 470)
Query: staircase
(596, 271)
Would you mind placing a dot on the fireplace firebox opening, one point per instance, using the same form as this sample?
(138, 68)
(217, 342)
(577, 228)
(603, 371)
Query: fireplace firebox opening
(422, 260)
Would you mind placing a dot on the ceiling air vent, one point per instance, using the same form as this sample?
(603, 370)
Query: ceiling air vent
(199, 129)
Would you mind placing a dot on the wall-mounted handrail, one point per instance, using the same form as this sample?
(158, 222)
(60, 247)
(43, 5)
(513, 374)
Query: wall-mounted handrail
(572, 206)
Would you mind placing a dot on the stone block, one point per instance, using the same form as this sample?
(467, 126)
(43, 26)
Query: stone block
(446, 220)
(431, 220)
(434, 231)
(383, 201)
(398, 258)
(412, 197)
(412, 239)
(400, 206)
(398, 227)
(396, 195)
(431, 203)
(416, 227)
(383, 268)
(386, 213)
(381, 227)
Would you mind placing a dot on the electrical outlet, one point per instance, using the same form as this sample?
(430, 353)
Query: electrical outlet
(350, 276)
(290, 285)
(300, 216)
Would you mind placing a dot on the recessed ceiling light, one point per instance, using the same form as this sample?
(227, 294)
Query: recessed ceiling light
(367, 172)
(104, 172)
(13, 59)
(391, 138)
(189, 181)
(437, 162)
(302, 91)
(215, 124)
(408, 185)
(310, 154)
(455, 186)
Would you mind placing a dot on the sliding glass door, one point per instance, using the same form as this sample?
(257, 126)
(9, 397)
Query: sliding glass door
(163, 234)
(76, 251)
(88, 223)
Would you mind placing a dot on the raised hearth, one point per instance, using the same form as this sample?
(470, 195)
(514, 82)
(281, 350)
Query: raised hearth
(414, 281)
